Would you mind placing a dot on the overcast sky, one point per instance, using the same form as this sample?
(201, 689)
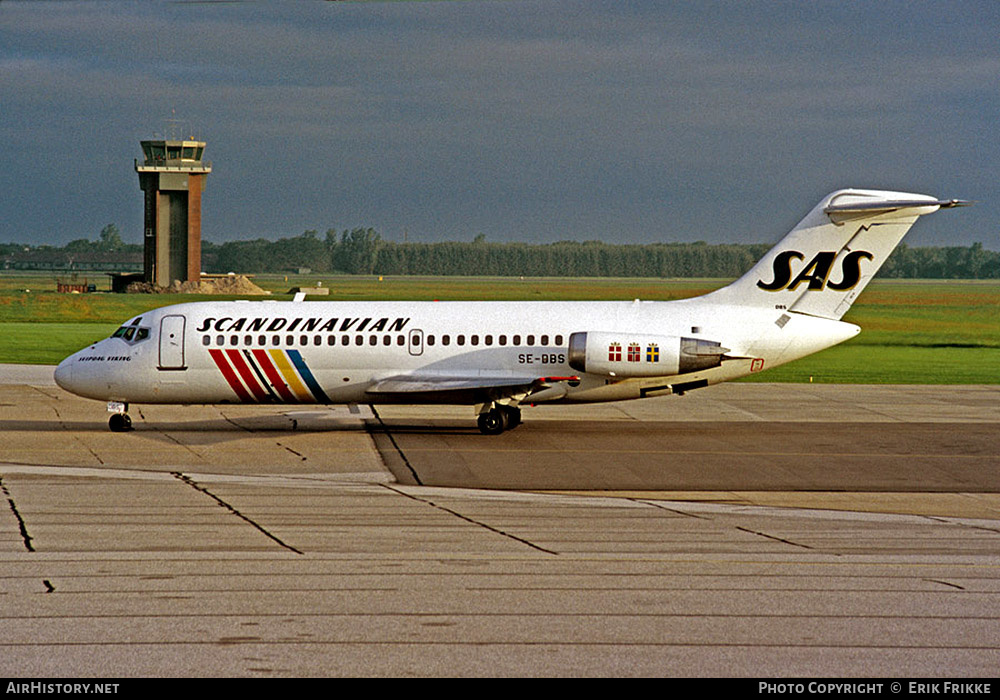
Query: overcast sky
(624, 121)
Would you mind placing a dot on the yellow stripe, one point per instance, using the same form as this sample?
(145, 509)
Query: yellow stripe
(288, 372)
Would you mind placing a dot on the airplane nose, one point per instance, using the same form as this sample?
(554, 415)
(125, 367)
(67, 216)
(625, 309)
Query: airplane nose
(64, 374)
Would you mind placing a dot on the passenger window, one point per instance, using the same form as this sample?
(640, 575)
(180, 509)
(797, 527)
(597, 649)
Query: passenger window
(400, 340)
(359, 339)
(446, 340)
(516, 340)
(289, 340)
(317, 340)
(502, 340)
(531, 340)
(474, 340)
(248, 340)
(345, 340)
(430, 340)
(303, 340)
(262, 340)
(460, 340)
(559, 340)
(331, 340)
(545, 340)
(372, 339)
(386, 340)
(276, 340)
(206, 340)
(488, 340)
(220, 340)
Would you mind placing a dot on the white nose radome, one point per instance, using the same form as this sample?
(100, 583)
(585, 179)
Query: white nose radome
(78, 375)
(64, 374)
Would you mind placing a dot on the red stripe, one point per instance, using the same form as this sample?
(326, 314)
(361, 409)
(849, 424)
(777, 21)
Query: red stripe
(248, 377)
(272, 374)
(227, 372)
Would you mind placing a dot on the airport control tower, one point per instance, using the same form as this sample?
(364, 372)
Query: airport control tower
(172, 177)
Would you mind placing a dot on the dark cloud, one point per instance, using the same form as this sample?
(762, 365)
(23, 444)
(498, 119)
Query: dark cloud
(627, 120)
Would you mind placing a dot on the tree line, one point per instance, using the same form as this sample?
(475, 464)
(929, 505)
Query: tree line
(362, 251)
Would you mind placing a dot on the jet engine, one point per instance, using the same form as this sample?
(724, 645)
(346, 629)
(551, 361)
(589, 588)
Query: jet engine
(636, 355)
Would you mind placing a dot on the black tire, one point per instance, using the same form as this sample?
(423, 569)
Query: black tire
(513, 416)
(120, 423)
(493, 422)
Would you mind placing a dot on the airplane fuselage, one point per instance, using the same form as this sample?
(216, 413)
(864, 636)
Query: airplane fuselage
(337, 352)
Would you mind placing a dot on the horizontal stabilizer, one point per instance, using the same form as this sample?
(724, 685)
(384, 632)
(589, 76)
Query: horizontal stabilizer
(844, 212)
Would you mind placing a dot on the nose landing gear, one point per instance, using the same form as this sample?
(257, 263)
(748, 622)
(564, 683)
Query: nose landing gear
(120, 421)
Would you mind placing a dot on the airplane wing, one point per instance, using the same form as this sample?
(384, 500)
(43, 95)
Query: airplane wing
(485, 385)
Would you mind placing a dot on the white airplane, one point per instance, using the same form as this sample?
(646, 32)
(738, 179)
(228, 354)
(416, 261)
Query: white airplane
(500, 356)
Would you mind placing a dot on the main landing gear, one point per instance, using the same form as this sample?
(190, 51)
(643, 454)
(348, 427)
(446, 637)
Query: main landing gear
(498, 418)
(120, 422)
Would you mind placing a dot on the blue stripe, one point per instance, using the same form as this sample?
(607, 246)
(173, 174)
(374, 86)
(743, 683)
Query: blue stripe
(296, 357)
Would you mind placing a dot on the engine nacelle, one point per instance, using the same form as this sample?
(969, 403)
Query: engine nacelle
(636, 355)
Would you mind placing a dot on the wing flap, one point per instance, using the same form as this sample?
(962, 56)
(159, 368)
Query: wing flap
(429, 383)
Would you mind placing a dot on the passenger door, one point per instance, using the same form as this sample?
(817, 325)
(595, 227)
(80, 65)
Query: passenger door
(172, 343)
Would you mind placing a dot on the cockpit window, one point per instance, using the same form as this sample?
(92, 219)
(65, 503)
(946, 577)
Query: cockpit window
(131, 334)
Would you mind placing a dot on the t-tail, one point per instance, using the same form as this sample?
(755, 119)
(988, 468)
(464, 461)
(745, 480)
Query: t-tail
(825, 262)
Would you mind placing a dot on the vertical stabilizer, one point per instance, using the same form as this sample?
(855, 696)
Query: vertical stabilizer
(825, 262)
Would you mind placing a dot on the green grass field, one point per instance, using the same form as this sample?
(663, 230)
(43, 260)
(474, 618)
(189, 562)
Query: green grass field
(913, 331)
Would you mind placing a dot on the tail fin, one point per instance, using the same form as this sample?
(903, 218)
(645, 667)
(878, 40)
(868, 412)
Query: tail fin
(825, 262)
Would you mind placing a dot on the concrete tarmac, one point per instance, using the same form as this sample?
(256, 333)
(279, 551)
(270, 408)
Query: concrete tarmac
(274, 541)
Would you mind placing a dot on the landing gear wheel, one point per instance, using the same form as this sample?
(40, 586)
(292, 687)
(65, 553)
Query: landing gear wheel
(493, 421)
(120, 423)
(498, 419)
(513, 416)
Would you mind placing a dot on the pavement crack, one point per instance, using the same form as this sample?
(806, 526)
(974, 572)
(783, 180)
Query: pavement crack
(25, 537)
(177, 442)
(392, 440)
(77, 438)
(297, 454)
(467, 519)
(952, 521)
(945, 583)
(260, 528)
(772, 537)
(234, 423)
(654, 504)
(45, 393)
